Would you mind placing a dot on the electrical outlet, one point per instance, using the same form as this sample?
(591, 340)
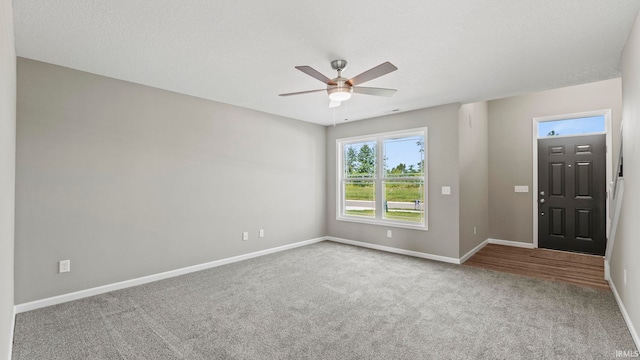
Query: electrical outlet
(64, 266)
(245, 236)
(624, 276)
(388, 233)
(261, 233)
(475, 231)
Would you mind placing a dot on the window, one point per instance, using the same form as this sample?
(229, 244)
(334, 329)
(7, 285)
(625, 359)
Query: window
(568, 127)
(382, 179)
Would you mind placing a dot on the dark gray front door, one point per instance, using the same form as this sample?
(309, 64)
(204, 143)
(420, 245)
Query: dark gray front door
(572, 194)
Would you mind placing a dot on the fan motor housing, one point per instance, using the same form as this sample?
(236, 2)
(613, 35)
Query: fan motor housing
(340, 92)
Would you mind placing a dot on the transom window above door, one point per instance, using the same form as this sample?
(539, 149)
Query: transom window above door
(572, 127)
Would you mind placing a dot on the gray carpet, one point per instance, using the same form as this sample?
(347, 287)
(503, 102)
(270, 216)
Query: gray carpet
(331, 301)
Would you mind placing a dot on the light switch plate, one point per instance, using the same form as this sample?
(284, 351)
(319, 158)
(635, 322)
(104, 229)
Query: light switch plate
(64, 266)
(521, 188)
(446, 190)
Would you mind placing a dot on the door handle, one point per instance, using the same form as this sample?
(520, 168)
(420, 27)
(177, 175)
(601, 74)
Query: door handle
(541, 201)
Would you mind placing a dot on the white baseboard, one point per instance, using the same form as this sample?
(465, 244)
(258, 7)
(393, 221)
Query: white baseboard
(13, 327)
(20, 308)
(511, 243)
(473, 251)
(607, 271)
(395, 250)
(625, 315)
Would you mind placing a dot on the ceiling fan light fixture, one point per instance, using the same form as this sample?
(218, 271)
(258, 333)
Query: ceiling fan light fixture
(341, 88)
(340, 94)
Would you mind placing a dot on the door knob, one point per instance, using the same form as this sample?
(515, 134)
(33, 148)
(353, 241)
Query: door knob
(541, 201)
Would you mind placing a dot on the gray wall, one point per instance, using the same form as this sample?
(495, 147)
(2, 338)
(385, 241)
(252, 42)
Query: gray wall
(7, 172)
(626, 248)
(442, 236)
(473, 130)
(127, 180)
(510, 148)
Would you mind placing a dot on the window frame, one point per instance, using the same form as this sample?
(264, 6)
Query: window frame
(379, 179)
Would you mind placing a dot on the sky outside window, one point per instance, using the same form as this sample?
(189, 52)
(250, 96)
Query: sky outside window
(406, 151)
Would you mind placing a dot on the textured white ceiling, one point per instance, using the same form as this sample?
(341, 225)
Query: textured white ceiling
(243, 52)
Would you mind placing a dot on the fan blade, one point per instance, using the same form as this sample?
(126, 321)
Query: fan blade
(372, 73)
(302, 92)
(334, 103)
(374, 91)
(315, 74)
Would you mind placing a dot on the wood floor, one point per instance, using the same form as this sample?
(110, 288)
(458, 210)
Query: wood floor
(577, 269)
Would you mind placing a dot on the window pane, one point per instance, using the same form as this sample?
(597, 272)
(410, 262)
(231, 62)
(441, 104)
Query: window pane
(404, 200)
(592, 124)
(404, 156)
(360, 198)
(360, 159)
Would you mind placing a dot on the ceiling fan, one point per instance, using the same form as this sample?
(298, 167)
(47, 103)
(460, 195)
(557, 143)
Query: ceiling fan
(340, 89)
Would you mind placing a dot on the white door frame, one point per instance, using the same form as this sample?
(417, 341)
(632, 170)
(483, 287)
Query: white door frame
(609, 158)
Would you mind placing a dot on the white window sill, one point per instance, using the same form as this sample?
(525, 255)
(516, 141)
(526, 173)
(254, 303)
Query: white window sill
(379, 222)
